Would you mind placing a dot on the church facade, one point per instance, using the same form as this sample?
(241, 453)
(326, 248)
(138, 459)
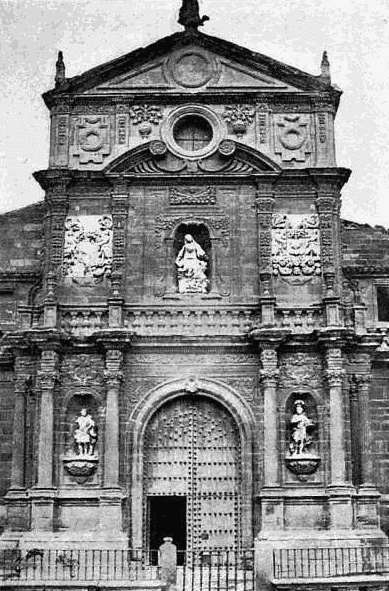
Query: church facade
(193, 342)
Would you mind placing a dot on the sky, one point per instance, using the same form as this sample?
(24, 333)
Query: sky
(90, 32)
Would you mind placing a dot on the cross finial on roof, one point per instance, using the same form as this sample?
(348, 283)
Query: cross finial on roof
(190, 15)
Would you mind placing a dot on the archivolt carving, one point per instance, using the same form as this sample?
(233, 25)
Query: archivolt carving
(88, 247)
(296, 245)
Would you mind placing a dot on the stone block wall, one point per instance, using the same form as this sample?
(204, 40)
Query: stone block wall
(379, 409)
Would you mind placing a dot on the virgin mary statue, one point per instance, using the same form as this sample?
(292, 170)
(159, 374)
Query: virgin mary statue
(191, 267)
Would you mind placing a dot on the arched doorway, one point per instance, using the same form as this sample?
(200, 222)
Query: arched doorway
(192, 475)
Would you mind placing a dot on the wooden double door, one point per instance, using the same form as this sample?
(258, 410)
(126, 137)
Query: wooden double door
(192, 475)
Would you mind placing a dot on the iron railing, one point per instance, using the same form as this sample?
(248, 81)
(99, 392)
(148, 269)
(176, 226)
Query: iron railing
(314, 563)
(210, 570)
(78, 565)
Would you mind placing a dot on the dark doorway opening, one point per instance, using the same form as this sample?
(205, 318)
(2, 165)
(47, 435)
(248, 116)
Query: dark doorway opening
(168, 519)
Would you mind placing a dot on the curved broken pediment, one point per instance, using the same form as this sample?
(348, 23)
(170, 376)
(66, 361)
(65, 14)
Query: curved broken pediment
(154, 158)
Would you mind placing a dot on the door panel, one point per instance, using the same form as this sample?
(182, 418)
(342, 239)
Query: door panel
(192, 448)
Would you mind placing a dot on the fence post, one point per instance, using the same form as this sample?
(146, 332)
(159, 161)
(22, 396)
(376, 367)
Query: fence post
(168, 563)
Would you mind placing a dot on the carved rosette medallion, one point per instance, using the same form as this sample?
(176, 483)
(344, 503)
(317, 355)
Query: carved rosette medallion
(191, 68)
(88, 248)
(296, 245)
(91, 139)
(292, 137)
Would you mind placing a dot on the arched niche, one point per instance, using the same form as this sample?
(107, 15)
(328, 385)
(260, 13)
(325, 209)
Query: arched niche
(302, 435)
(201, 237)
(70, 451)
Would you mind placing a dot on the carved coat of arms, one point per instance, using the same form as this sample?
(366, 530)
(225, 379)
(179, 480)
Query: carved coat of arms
(296, 245)
(88, 247)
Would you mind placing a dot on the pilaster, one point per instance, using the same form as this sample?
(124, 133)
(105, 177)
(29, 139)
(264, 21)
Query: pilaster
(42, 494)
(368, 496)
(57, 201)
(17, 506)
(119, 208)
(114, 343)
(339, 489)
(268, 341)
(264, 207)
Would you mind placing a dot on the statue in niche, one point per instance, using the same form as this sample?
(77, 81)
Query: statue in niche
(191, 267)
(301, 425)
(85, 435)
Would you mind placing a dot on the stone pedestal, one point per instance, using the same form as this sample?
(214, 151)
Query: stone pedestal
(42, 509)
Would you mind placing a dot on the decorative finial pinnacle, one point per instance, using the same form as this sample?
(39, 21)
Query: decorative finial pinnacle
(190, 15)
(325, 68)
(59, 70)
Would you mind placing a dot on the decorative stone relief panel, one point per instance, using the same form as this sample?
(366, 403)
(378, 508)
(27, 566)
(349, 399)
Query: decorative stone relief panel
(239, 118)
(88, 248)
(91, 139)
(122, 125)
(292, 137)
(296, 245)
(144, 117)
(192, 68)
(192, 196)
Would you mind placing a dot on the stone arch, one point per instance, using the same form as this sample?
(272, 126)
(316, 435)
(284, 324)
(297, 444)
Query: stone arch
(228, 398)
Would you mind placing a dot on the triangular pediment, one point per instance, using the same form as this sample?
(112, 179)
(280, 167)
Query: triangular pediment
(196, 63)
(192, 69)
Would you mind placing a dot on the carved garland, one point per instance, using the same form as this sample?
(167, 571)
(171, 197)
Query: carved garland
(190, 196)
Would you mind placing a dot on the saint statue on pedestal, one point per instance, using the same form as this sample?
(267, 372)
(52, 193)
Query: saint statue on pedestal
(191, 267)
(85, 434)
(300, 423)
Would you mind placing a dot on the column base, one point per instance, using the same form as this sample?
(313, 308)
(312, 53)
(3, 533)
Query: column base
(111, 511)
(272, 509)
(18, 512)
(340, 497)
(42, 509)
(367, 507)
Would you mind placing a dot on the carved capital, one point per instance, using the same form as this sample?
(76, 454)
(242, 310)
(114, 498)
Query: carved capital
(113, 375)
(360, 382)
(325, 204)
(269, 377)
(113, 379)
(47, 380)
(334, 377)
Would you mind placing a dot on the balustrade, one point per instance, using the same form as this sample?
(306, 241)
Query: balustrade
(302, 320)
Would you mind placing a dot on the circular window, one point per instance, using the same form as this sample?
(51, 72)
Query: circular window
(192, 133)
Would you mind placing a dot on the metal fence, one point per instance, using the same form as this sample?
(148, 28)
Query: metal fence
(78, 565)
(210, 570)
(314, 563)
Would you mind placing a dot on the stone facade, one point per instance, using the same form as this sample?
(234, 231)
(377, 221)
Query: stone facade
(261, 398)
